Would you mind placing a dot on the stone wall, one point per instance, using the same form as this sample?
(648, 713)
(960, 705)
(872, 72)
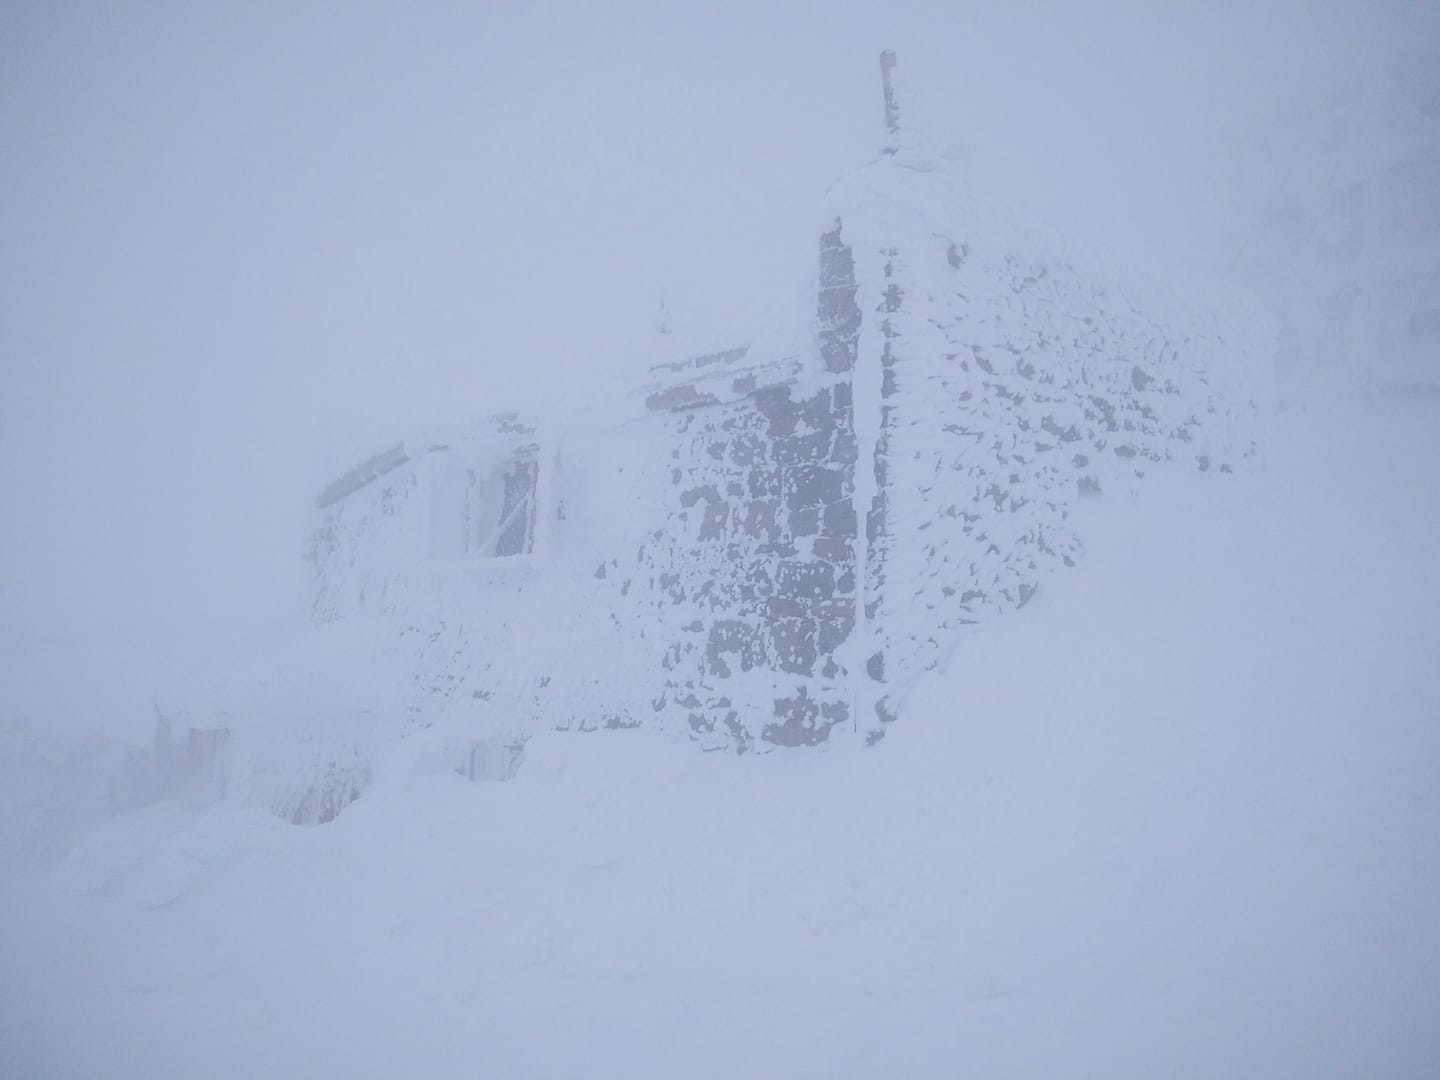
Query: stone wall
(1009, 384)
(694, 557)
(701, 565)
(701, 540)
(758, 549)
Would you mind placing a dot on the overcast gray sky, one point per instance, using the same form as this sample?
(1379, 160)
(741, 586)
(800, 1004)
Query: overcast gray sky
(246, 243)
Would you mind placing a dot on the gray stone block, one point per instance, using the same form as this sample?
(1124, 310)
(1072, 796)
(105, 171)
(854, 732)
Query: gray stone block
(805, 522)
(813, 448)
(815, 485)
(798, 722)
(765, 483)
(760, 519)
(833, 549)
(839, 519)
(794, 643)
(804, 580)
(734, 638)
(834, 624)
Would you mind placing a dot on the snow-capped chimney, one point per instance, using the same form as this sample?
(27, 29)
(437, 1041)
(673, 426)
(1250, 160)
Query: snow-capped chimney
(892, 108)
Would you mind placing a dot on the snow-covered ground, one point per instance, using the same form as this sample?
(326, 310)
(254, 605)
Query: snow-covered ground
(1180, 817)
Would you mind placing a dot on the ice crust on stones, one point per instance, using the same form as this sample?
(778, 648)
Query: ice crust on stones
(766, 545)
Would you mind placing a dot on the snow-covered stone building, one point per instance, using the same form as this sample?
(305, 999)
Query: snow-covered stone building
(766, 545)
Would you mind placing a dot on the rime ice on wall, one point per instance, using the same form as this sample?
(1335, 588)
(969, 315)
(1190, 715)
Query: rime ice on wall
(383, 524)
(766, 546)
(707, 543)
(961, 388)
(1000, 383)
(758, 551)
(1008, 385)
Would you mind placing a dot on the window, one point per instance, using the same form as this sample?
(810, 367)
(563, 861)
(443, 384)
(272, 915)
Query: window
(485, 509)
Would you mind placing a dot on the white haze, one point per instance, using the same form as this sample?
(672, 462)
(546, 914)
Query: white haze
(1179, 817)
(246, 244)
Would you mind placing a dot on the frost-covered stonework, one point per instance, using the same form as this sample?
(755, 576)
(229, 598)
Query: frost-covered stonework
(767, 545)
(1006, 383)
(688, 556)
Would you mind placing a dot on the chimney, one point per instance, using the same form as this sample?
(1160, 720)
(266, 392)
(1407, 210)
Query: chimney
(892, 109)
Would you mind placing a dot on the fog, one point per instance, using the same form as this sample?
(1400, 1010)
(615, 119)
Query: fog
(245, 245)
(1015, 663)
